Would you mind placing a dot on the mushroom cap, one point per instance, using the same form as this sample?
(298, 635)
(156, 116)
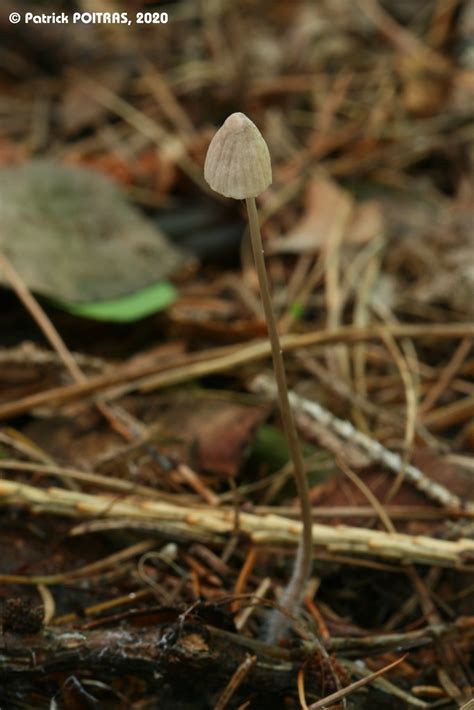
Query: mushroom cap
(238, 163)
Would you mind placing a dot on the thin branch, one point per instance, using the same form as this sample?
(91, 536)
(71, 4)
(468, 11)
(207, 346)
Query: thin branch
(339, 694)
(160, 375)
(197, 523)
(374, 449)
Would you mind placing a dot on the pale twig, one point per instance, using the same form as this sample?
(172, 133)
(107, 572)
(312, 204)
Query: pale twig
(197, 484)
(170, 144)
(245, 572)
(451, 414)
(19, 442)
(33, 307)
(446, 376)
(196, 523)
(31, 353)
(361, 403)
(363, 297)
(218, 360)
(244, 615)
(372, 448)
(337, 357)
(95, 479)
(378, 507)
(114, 418)
(411, 408)
(339, 694)
(236, 680)
(49, 605)
(402, 39)
(165, 98)
(99, 608)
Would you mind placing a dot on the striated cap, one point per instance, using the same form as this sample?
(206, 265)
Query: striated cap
(238, 163)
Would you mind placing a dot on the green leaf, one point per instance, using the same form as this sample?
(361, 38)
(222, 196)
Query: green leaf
(127, 308)
(271, 447)
(297, 310)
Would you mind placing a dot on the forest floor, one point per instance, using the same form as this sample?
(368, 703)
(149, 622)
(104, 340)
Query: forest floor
(149, 519)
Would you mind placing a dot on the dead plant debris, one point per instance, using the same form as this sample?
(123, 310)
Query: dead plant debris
(148, 515)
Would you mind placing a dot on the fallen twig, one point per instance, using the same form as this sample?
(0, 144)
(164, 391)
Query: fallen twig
(197, 523)
(159, 375)
(344, 692)
(374, 449)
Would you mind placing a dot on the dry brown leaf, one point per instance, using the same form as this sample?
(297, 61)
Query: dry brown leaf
(77, 109)
(211, 435)
(325, 200)
(366, 223)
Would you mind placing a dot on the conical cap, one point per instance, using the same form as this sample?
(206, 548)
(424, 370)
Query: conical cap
(238, 162)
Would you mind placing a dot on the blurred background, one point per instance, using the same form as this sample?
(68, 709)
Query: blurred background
(367, 110)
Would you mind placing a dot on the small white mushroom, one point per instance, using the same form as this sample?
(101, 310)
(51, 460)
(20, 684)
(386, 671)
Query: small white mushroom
(238, 162)
(238, 165)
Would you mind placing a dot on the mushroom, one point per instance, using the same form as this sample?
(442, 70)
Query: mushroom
(238, 165)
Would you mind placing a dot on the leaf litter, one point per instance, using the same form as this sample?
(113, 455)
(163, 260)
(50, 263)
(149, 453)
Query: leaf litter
(73, 237)
(148, 516)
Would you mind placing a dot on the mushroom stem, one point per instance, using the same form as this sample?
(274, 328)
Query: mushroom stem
(294, 591)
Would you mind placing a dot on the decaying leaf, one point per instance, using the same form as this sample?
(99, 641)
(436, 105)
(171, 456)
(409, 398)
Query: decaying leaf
(325, 201)
(77, 109)
(73, 237)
